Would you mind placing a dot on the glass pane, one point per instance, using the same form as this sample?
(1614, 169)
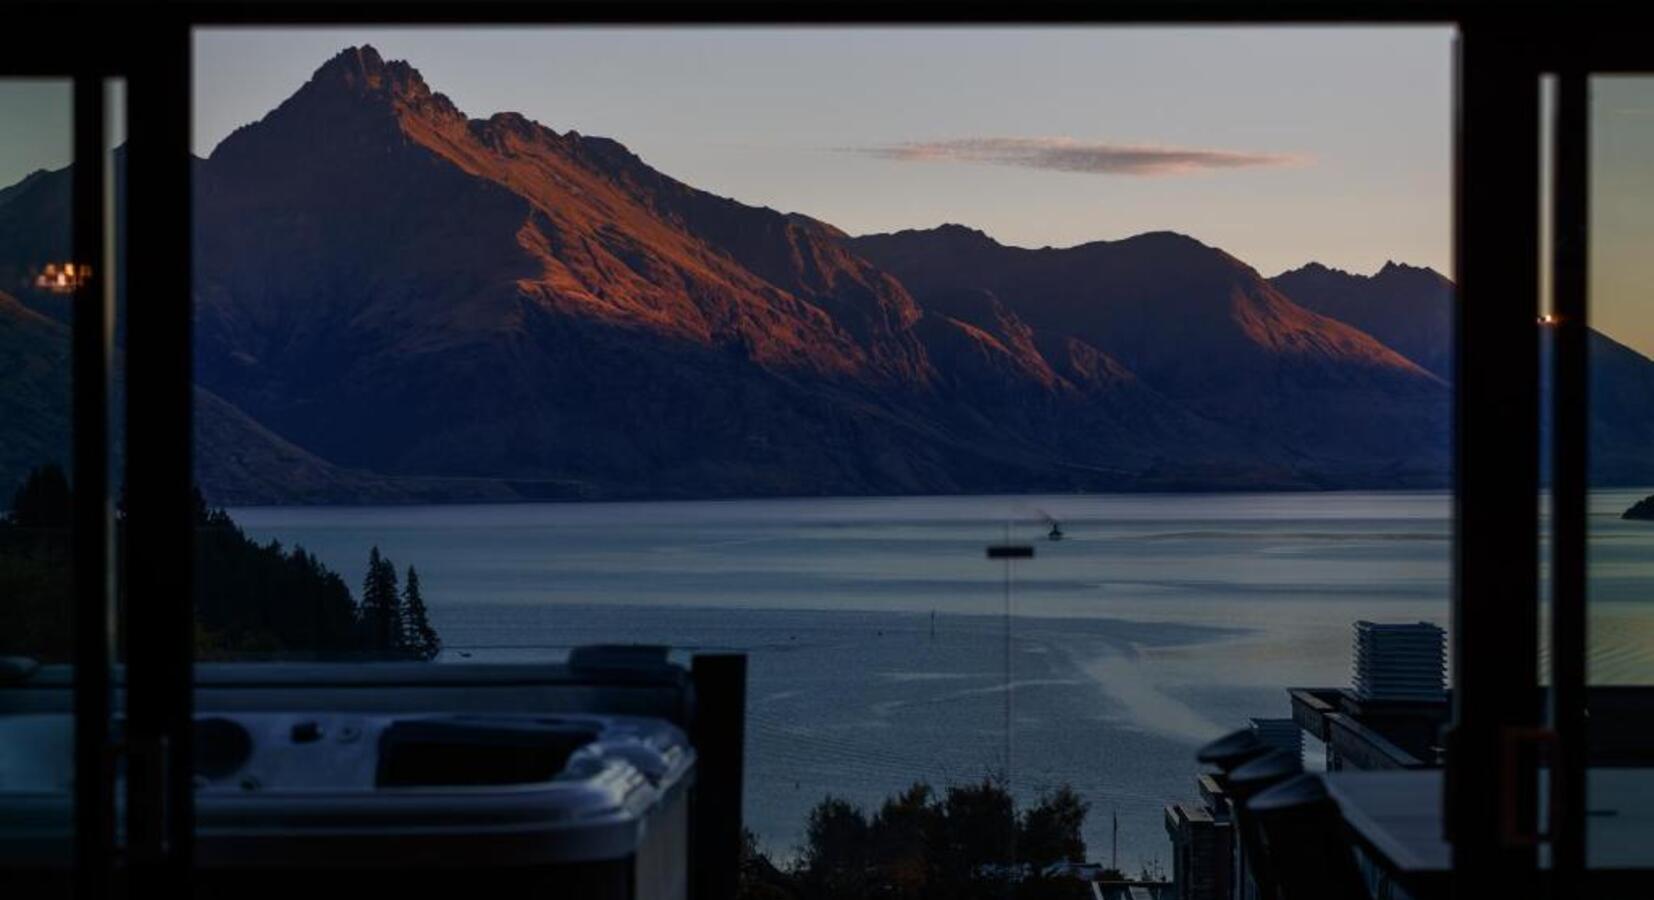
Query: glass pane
(36, 629)
(589, 398)
(1621, 549)
(1547, 148)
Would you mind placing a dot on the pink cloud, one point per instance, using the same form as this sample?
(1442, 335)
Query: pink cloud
(1065, 154)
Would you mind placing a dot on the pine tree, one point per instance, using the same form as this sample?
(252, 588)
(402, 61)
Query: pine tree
(418, 635)
(381, 605)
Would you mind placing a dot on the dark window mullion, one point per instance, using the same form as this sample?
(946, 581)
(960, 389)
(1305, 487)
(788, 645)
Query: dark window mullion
(91, 521)
(160, 515)
(1490, 788)
(1569, 472)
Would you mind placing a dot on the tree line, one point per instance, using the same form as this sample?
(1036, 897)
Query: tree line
(251, 599)
(395, 621)
(969, 842)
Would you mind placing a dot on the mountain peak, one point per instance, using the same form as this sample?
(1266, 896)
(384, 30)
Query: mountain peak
(1409, 308)
(1393, 268)
(1164, 238)
(515, 121)
(1317, 273)
(1315, 268)
(363, 60)
(1390, 270)
(513, 125)
(363, 69)
(7, 191)
(958, 230)
(362, 72)
(355, 80)
(952, 232)
(1164, 235)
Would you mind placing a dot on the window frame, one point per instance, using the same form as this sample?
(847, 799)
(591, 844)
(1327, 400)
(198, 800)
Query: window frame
(1500, 55)
(88, 71)
(1607, 45)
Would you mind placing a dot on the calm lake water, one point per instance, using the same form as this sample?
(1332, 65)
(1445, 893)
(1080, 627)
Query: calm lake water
(876, 626)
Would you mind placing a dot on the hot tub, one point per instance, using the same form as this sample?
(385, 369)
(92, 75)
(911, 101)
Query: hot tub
(294, 804)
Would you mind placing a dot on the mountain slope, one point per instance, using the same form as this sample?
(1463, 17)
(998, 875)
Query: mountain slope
(1621, 437)
(1206, 331)
(240, 460)
(396, 287)
(34, 393)
(34, 228)
(516, 205)
(1411, 308)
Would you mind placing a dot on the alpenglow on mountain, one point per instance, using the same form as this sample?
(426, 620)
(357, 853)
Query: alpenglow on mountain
(397, 302)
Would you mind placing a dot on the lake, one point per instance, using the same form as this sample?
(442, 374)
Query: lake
(876, 627)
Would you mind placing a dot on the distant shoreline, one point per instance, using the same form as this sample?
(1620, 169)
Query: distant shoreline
(1646, 488)
(691, 497)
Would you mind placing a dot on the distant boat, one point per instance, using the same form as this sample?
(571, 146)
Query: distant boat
(1056, 532)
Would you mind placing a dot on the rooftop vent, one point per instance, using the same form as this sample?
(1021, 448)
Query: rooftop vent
(1405, 662)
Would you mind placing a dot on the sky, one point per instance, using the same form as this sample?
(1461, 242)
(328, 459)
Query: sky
(36, 127)
(1279, 145)
(1622, 209)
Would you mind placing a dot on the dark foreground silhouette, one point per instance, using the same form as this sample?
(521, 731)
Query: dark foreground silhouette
(969, 841)
(251, 599)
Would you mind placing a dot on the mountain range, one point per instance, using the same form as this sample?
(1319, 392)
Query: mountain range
(395, 302)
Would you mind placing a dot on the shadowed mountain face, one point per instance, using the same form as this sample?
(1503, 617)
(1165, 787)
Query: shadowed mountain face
(34, 392)
(34, 227)
(395, 287)
(1209, 334)
(242, 461)
(1411, 309)
(394, 301)
(1621, 386)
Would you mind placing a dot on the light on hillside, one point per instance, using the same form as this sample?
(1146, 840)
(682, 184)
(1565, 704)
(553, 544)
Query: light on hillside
(63, 278)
